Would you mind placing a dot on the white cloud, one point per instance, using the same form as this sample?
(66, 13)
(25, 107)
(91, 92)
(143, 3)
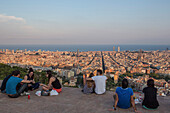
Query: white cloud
(4, 18)
(15, 27)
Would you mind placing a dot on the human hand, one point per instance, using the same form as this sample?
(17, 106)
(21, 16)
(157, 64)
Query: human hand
(33, 82)
(41, 84)
(112, 109)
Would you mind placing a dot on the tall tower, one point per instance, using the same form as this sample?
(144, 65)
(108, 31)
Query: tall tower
(118, 49)
(113, 48)
(77, 52)
(78, 71)
(13, 51)
(140, 51)
(140, 54)
(7, 51)
(4, 50)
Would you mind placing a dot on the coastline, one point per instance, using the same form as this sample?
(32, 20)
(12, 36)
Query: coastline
(73, 48)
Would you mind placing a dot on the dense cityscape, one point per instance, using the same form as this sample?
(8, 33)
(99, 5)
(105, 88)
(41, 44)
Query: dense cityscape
(113, 63)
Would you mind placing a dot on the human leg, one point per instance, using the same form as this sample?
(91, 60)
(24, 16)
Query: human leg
(14, 96)
(36, 85)
(44, 88)
(148, 108)
(58, 90)
(22, 89)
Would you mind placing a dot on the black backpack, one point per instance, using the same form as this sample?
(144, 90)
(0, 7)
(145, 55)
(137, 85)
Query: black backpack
(3, 85)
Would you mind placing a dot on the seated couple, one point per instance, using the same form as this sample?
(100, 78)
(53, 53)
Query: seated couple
(14, 86)
(28, 77)
(95, 84)
(124, 96)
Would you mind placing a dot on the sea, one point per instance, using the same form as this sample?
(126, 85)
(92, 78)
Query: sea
(86, 47)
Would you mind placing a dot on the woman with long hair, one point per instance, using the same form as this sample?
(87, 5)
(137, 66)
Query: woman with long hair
(30, 76)
(89, 85)
(53, 83)
(150, 96)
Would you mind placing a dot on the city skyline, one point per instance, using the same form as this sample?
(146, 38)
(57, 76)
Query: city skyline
(86, 22)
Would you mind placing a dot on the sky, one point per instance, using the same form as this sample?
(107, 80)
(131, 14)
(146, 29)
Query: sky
(130, 22)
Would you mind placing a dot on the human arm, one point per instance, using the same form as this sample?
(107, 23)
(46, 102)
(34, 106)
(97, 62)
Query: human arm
(25, 77)
(84, 79)
(26, 81)
(106, 79)
(41, 84)
(89, 79)
(116, 101)
(133, 103)
(33, 81)
(44, 86)
(52, 79)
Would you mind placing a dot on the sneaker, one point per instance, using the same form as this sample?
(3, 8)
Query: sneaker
(25, 94)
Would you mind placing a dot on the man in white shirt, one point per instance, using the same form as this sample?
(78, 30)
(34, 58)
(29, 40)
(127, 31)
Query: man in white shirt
(100, 82)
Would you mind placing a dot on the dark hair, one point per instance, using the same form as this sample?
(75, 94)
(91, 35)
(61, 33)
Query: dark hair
(12, 72)
(91, 75)
(49, 74)
(31, 70)
(124, 83)
(150, 83)
(16, 72)
(99, 71)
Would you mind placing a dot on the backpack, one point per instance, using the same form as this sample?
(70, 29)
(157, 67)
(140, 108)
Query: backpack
(3, 85)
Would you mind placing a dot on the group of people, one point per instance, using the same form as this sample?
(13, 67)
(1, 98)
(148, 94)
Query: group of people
(123, 96)
(95, 84)
(14, 86)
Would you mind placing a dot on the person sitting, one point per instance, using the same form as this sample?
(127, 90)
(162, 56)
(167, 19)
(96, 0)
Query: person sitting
(89, 85)
(3, 85)
(150, 96)
(30, 76)
(100, 82)
(15, 85)
(124, 96)
(53, 84)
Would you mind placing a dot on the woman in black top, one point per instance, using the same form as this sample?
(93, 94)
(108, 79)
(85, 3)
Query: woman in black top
(53, 83)
(150, 96)
(30, 76)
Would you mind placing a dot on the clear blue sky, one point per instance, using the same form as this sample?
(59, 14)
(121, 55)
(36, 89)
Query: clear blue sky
(85, 22)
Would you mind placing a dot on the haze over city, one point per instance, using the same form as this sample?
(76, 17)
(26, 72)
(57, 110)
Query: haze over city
(84, 22)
